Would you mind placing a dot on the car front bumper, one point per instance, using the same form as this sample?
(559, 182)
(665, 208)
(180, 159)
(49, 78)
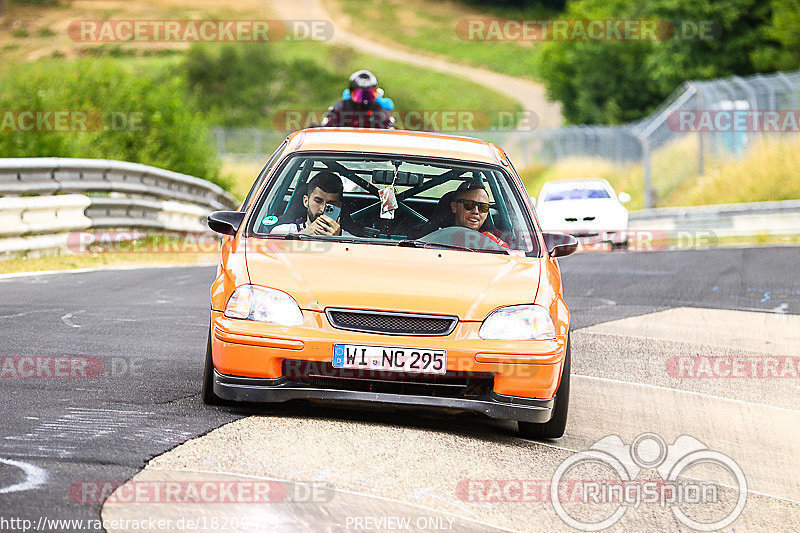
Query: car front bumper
(493, 405)
(257, 362)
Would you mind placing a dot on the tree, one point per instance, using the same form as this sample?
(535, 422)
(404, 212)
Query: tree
(785, 30)
(607, 82)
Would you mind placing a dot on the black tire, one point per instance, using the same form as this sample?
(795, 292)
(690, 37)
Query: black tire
(553, 429)
(209, 398)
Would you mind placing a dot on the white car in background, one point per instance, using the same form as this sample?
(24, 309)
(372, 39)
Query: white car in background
(587, 208)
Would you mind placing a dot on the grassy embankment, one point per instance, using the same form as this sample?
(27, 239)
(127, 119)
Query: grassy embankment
(439, 28)
(768, 171)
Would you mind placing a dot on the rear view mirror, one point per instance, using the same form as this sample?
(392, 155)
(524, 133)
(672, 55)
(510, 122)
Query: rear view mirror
(560, 244)
(225, 222)
(385, 177)
(624, 197)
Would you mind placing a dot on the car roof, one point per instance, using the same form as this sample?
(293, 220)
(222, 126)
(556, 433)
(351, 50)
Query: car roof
(396, 142)
(577, 183)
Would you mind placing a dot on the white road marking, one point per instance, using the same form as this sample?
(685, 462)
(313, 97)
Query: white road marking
(692, 393)
(34, 477)
(25, 313)
(67, 319)
(761, 332)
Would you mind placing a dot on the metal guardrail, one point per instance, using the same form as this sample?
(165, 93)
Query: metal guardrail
(106, 194)
(724, 220)
(53, 175)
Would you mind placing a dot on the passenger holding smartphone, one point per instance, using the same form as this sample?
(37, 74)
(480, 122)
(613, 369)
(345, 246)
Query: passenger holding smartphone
(323, 203)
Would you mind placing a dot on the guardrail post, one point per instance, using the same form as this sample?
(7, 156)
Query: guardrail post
(648, 189)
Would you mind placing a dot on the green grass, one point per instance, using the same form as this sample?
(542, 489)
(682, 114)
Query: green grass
(431, 27)
(769, 171)
(326, 69)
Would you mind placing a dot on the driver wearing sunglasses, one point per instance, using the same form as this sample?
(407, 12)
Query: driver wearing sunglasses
(470, 206)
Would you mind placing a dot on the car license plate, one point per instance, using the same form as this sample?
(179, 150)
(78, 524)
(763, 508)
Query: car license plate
(389, 358)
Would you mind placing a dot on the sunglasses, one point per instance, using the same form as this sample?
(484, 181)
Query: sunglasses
(469, 205)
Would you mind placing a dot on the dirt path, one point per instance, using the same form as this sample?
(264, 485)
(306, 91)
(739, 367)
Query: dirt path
(531, 95)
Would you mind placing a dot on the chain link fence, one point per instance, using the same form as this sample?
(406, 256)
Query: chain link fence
(717, 117)
(720, 117)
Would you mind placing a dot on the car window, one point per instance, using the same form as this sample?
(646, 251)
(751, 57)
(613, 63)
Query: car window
(273, 159)
(424, 190)
(579, 193)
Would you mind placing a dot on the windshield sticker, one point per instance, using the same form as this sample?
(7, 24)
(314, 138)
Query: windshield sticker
(270, 220)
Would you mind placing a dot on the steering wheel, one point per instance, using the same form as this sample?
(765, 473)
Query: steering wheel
(461, 236)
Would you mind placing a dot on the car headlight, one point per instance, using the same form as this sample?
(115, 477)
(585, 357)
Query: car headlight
(518, 322)
(264, 305)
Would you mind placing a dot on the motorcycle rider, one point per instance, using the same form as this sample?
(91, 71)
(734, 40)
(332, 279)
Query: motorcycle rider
(362, 106)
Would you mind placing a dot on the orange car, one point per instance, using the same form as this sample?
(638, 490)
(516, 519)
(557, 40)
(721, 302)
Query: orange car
(396, 268)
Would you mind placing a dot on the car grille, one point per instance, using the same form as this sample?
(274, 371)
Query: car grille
(452, 384)
(391, 323)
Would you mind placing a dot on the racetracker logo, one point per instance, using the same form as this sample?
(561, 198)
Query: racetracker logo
(452, 120)
(69, 366)
(225, 31)
(199, 492)
(50, 367)
(584, 30)
(752, 367)
(68, 121)
(699, 505)
(120, 241)
(734, 120)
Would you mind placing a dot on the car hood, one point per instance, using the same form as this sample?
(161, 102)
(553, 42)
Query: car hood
(366, 276)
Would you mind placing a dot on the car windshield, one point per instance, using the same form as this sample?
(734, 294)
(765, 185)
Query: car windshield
(576, 193)
(436, 203)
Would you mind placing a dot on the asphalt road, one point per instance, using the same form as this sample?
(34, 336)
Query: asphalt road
(139, 336)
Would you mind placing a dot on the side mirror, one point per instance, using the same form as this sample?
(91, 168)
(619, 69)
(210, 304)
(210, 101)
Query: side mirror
(560, 244)
(624, 197)
(225, 222)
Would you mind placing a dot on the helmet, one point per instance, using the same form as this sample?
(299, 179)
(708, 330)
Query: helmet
(363, 79)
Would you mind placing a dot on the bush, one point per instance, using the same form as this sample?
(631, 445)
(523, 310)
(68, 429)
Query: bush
(142, 119)
(241, 85)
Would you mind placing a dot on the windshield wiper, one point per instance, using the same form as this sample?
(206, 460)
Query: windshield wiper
(410, 243)
(425, 244)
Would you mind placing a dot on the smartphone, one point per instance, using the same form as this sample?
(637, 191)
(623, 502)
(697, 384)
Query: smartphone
(332, 211)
